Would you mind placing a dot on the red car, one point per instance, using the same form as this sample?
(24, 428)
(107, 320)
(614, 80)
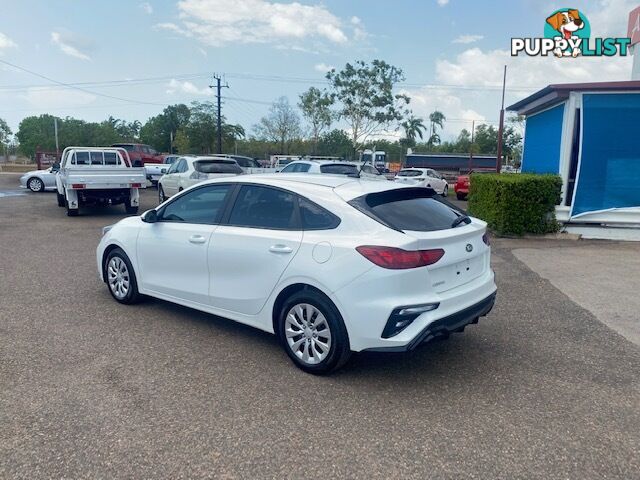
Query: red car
(462, 187)
(140, 153)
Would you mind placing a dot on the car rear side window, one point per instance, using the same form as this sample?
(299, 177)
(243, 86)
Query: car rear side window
(339, 169)
(314, 217)
(264, 207)
(416, 209)
(217, 166)
(202, 206)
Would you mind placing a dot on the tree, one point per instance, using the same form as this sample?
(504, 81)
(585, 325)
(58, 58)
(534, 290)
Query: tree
(316, 109)
(335, 143)
(159, 130)
(5, 132)
(413, 128)
(436, 119)
(281, 125)
(365, 96)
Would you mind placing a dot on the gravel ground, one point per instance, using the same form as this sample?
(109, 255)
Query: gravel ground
(93, 389)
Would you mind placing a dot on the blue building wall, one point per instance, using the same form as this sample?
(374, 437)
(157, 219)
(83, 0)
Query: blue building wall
(542, 138)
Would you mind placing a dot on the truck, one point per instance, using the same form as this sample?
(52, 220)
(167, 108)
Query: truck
(139, 153)
(98, 176)
(156, 170)
(377, 158)
(278, 162)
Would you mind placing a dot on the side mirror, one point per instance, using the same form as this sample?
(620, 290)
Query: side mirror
(150, 216)
(55, 167)
(163, 170)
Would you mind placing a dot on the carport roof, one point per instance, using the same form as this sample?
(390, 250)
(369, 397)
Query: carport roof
(553, 94)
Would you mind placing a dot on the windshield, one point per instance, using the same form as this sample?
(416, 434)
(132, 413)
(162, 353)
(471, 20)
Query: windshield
(409, 173)
(217, 166)
(339, 168)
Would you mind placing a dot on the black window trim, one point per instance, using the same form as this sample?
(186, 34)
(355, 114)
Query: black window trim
(221, 212)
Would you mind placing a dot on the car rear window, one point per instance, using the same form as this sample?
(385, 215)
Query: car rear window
(415, 209)
(340, 169)
(409, 173)
(217, 166)
(128, 148)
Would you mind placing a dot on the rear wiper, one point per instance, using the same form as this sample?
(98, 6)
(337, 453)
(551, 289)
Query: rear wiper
(460, 219)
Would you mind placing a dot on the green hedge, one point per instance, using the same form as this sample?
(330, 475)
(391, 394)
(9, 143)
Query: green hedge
(515, 204)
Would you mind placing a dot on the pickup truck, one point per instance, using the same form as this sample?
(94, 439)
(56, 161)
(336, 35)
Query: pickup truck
(98, 176)
(139, 153)
(155, 170)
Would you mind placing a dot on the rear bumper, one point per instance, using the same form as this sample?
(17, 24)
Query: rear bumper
(445, 326)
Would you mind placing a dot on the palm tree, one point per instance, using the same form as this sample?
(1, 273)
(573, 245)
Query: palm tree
(413, 128)
(437, 119)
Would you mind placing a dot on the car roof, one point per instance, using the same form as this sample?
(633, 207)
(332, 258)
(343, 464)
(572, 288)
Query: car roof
(326, 162)
(195, 158)
(347, 188)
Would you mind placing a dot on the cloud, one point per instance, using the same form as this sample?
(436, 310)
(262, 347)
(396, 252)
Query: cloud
(172, 27)
(44, 99)
(468, 38)
(220, 22)
(6, 42)
(359, 32)
(146, 6)
(442, 3)
(323, 67)
(477, 67)
(175, 86)
(71, 45)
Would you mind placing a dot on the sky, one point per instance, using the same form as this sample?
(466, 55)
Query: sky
(129, 59)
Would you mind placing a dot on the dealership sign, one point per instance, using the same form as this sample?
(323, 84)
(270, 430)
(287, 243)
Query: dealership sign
(634, 26)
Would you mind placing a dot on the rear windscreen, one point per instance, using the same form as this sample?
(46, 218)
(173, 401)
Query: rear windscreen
(339, 169)
(409, 173)
(417, 209)
(216, 166)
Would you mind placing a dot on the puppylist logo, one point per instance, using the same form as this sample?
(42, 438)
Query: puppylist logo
(567, 33)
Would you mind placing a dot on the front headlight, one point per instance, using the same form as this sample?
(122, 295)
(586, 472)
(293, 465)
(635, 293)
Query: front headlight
(106, 229)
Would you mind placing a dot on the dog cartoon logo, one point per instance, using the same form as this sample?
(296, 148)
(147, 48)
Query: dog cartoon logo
(571, 26)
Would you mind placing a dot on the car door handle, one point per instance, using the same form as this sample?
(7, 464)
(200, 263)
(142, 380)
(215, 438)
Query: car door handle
(280, 249)
(197, 239)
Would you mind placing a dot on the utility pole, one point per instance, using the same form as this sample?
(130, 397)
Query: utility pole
(219, 86)
(55, 129)
(501, 126)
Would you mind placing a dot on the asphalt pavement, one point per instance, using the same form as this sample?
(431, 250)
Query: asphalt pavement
(90, 388)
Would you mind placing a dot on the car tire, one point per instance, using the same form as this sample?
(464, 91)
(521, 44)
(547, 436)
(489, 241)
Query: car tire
(461, 196)
(445, 191)
(312, 332)
(161, 195)
(35, 185)
(61, 199)
(120, 277)
(71, 212)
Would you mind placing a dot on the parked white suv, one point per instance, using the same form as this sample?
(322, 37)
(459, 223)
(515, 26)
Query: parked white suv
(189, 170)
(423, 177)
(333, 167)
(329, 264)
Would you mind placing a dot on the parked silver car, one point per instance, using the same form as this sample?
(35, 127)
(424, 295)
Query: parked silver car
(40, 180)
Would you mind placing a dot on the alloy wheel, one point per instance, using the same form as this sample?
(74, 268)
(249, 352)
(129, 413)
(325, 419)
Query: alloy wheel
(118, 277)
(307, 333)
(35, 185)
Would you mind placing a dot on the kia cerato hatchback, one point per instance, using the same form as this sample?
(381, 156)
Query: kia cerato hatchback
(331, 265)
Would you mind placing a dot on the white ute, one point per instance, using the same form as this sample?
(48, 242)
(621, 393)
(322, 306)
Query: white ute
(98, 176)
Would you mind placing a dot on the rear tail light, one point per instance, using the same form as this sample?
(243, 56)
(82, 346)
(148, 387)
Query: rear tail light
(136, 185)
(485, 239)
(78, 186)
(399, 259)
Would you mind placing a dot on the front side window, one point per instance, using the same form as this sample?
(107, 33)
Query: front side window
(202, 206)
(264, 207)
(289, 168)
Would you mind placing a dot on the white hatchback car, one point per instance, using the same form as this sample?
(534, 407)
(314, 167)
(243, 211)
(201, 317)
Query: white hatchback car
(333, 167)
(189, 170)
(423, 177)
(329, 264)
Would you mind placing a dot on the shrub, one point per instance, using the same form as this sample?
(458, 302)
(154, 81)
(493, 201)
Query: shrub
(514, 204)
